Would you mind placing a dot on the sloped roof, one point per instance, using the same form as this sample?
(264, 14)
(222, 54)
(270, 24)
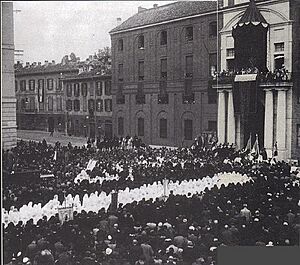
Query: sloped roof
(252, 15)
(166, 12)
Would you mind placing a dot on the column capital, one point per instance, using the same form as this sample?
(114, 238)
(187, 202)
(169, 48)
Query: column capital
(268, 89)
(282, 88)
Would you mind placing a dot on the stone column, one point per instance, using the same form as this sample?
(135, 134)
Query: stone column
(281, 123)
(221, 116)
(268, 128)
(230, 119)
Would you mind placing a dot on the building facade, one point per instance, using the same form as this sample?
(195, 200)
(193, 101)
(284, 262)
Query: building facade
(88, 104)
(39, 91)
(162, 61)
(8, 99)
(258, 93)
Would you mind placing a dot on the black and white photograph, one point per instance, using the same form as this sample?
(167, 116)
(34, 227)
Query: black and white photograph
(150, 132)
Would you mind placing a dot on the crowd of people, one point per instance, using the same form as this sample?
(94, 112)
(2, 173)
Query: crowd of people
(182, 229)
(280, 74)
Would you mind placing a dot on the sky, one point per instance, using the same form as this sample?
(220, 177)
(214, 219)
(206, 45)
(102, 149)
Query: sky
(48, 30)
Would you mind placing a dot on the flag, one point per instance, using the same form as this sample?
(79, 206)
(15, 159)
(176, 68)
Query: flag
(248, 146)
(275, 151)
(255, 148)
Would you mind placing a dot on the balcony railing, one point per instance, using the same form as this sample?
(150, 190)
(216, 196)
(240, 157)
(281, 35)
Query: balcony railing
(188, 98)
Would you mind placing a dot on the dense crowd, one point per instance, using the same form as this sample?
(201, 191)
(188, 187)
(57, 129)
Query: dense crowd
(184, 229)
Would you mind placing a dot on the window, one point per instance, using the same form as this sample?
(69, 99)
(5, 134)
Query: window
(163, 37)
(141, 70)
(59, 103)
(189, 66)
(140, 96)
(99, 88)
(163, 128)
(230, 2)
(69, 105)
(32, 104)
(188, 95)
(108, 105)
(31, 85)
(212, 126)
(92, 89)
(84, 104)
(23, 85)
(120, 125)
(141, 42)
(279, 47)
(49, 83)
(213, 30)
(212, 64)
(230, 64)
(60, 84)
(91, 104)
(189, 35)
(17, 104)
(120, 72)
(278, 61)
(188, 129)
(16, 85)
(50, 103)
(76, 90)
(298, 135)
(76, 105)
(120, 98)
(108, 88)
(163, 97)
(41, 106)
(140, 127)
(84, 89)
(163, 68)
(69, 90)
(230, 52)
(120, 45)
(99, 105)
(212, 94)
(23, 104)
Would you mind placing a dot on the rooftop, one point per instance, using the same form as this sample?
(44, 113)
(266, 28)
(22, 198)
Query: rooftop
(166, 12)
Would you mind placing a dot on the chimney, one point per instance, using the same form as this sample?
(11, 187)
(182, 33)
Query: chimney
(141, 9)
(53, 62)
(155, 5)
(119, 21)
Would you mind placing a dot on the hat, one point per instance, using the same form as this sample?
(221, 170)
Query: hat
(270, 244)
(184, 220)
(192, 227)
(25, 260)
(285, 223)
(216, 221)
(226, 226)
(108, 251)
(109, 237)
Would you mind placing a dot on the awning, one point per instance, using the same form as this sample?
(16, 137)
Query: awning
(252, 16)
(245, 78)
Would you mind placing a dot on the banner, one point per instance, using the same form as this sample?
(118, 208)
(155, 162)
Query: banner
(91, 164)
(65, 214)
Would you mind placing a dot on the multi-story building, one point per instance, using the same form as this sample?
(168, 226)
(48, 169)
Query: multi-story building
(88, 104)
(261, 36)
(8, 99)
(162, 61)
(40, 95)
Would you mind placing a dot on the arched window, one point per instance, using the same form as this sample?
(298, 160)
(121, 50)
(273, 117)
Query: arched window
(140, 126)
(69, 90)
(120, 126)
(76, 90)
(141, 42)
(163, 128)
(84, 89)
